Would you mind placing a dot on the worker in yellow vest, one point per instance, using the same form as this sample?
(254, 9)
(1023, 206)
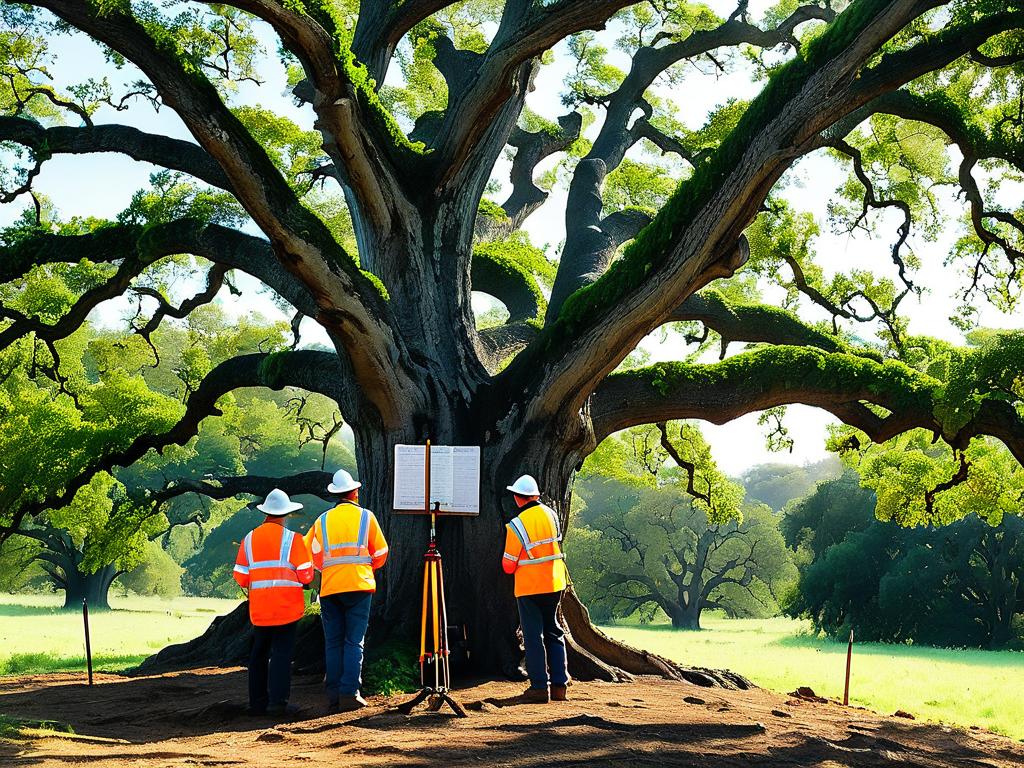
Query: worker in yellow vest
(347, 546)
(533, 554)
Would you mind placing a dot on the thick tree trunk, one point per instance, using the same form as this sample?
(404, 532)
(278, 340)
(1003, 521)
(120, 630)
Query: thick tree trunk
(63, 560)
(93, 587)
(479, 595)
(686, 617)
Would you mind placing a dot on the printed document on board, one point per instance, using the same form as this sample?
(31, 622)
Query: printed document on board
(454, 478)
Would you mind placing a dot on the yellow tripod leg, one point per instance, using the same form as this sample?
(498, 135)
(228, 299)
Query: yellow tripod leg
(435, 616)
(444, 626)
(423, 614)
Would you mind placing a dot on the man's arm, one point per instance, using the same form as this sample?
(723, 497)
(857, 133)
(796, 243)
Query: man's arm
(378, 544)
(241, 572)
(513, 549)
(314, 547)
(302, 560)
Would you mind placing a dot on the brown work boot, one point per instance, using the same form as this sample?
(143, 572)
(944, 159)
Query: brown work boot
(535, 696)
(346, 704)
(559, 693)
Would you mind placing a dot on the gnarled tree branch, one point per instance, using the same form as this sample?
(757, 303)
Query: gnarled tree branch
(175, 154)
(315, 371)
(531, 148)
(350, 305)
(583, 259)
(773, 376)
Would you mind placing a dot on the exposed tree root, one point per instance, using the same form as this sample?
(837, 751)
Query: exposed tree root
(593, 652)
(226, 644)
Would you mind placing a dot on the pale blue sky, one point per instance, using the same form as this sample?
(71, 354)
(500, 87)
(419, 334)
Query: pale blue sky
(102, 185)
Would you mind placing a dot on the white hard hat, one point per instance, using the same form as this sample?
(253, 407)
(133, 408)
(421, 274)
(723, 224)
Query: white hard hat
(525, 486)
(278, 504)
(343, 482)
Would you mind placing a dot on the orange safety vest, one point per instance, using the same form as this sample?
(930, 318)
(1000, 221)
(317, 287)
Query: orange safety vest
(532, 551)
(273, 564)
(347, 546)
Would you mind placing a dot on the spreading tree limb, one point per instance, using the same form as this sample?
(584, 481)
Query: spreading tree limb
(664, 263)
(585, 257)
(316, 371)
(767, 377)
(351, 306)
(175, 154)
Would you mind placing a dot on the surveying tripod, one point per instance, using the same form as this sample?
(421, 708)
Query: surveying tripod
(435, 615)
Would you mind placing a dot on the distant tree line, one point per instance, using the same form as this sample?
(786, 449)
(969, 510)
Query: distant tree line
(882, 543)
(954, 585)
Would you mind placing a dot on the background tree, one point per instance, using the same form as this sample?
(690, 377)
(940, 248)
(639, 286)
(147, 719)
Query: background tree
(951, 584)
(778, 484)
(110, 526)
(680, 541)
(390, 281)
(156, 575)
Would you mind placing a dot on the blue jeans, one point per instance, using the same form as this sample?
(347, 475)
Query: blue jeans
(543, 636)
(345, 617)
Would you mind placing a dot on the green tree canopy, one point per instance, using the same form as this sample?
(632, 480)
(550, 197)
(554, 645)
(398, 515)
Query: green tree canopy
(675, 538)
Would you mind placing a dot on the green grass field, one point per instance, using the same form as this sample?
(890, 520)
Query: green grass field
(960, 687)
(957, 687)
(36, 636)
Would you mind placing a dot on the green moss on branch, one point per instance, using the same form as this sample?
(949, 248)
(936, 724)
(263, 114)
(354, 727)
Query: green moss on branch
(654, 243)
(894, 385)
(506, 269)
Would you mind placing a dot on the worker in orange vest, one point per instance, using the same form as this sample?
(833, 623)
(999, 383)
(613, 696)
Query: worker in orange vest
(347, 546)
(533, 554)
(273, 564)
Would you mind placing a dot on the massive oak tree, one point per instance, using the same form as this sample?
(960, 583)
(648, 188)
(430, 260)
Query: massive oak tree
(541, 390)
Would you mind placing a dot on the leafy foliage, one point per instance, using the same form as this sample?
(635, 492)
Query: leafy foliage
(642, 544)
(956, 585)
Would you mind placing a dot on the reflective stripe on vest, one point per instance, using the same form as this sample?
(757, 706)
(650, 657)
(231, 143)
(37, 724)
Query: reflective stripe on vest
(283, 561)
(361, 545)
(268, 583)
(528, 545)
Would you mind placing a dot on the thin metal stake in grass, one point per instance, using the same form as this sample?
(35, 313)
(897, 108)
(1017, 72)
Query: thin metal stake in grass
(88, 645)
(849, 658)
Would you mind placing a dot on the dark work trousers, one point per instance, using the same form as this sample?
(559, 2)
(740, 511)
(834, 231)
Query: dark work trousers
(270, 665)
(543, 636)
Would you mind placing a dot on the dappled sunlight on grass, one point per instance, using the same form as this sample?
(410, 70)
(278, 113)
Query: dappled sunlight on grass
(964, 687)
(41, 663)
(36, 636)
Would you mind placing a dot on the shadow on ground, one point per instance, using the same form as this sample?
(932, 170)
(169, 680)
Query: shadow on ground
(197, 718)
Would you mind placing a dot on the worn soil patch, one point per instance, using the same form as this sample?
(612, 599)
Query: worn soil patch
(197, 718)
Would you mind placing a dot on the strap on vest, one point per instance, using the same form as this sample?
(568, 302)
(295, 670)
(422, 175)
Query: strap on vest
(520, 531)
(284, 561)
(535, 560)
(286, 545)
(361, 544)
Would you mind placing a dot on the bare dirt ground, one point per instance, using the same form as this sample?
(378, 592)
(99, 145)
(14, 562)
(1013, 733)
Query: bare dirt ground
(197, 718)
